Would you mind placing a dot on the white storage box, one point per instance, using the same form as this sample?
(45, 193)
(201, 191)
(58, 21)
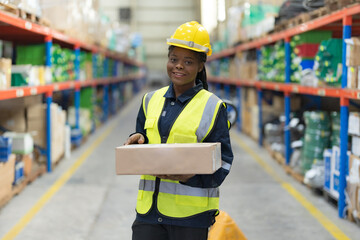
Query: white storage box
(22, 143)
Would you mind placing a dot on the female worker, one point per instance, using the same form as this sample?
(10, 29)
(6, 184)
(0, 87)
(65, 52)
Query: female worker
(178, 207)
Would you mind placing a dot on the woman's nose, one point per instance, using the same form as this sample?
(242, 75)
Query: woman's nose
(179, 66)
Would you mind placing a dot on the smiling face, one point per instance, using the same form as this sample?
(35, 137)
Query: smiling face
(182, 67)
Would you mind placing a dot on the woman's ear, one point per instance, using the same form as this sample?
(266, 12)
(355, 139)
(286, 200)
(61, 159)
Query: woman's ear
(201, 67)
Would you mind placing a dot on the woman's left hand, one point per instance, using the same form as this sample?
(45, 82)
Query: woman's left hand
(180, 178)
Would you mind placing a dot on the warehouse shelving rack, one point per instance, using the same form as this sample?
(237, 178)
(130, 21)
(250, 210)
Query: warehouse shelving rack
(15, 29)
(345, 23)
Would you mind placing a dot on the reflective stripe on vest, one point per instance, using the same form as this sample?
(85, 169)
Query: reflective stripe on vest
(172, 188)
(192, 125)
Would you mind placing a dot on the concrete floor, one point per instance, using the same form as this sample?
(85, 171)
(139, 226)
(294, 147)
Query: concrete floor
(93, 203)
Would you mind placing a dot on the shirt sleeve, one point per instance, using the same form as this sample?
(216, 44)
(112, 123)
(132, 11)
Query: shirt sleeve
(140, 123)
(220, 134)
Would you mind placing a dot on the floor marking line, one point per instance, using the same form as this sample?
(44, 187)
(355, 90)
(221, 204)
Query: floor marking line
(316, 213)
(57, 185)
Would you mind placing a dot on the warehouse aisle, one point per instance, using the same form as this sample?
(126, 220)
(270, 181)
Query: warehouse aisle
(84, 199)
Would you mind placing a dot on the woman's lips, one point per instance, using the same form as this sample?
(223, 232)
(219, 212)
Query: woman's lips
(178, 74)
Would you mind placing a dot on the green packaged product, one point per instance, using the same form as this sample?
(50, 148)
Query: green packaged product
(316, 138)
(310, 37)
(31, 54)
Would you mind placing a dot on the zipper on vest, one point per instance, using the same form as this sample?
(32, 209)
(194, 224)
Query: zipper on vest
(156, 193)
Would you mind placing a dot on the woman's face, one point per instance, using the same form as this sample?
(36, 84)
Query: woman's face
(182, 67)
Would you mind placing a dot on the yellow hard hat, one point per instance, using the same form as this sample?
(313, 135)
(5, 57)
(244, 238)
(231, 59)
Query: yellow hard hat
(193, 36)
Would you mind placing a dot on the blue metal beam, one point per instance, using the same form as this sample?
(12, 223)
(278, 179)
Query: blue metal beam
(344, 118)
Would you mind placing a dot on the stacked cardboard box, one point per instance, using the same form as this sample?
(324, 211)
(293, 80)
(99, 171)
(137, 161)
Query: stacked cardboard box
(7, 171)
(36, 122)
(354, 132)
(5, 73)
(247, 101)
(353, 62)
(353, 187)
(13, 120)
(13, 112)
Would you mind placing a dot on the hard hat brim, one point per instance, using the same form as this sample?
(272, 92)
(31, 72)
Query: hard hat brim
(207, 51)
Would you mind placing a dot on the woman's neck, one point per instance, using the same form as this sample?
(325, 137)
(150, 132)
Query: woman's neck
(179, 90)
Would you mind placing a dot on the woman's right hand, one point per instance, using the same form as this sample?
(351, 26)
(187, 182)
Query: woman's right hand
(136, 138)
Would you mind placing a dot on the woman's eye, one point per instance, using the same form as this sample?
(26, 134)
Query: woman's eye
(172, 60)
(188, 62)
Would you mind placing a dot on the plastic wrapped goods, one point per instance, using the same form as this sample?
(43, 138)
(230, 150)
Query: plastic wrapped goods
(335, 129)
(316, 138)
(328, 62)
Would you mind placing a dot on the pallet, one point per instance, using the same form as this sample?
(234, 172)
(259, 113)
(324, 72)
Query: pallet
(33, 18)
(281, 26)
(352, 218)
(277, 156)
(18, 12)
(299, 19)
(9, 8)
(295, 175)
(320, 12)
(281, 160)
(338, 4)
(330, 6)
(57, 161)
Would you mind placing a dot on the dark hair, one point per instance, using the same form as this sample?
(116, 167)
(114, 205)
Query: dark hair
(201, 75)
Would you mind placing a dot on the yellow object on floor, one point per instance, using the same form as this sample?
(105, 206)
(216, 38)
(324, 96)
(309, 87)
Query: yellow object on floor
(225, 228)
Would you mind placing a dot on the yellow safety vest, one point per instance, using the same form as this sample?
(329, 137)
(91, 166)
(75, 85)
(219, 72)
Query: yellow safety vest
(192, 125)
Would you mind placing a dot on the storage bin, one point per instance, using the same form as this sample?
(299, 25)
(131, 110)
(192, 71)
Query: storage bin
(5, 148)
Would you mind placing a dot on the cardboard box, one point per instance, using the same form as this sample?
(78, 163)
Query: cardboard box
(352, 77)
(251, 97)
(36, 124)
(354, 123)
(7, 172)
(27, 159)
(36, 111)
(22, 102)
(180, 158)
(358, 77)
(352, 51)
(279, 103)
(5, 73)
(13, 120)
(353, 183)
(355, 143)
